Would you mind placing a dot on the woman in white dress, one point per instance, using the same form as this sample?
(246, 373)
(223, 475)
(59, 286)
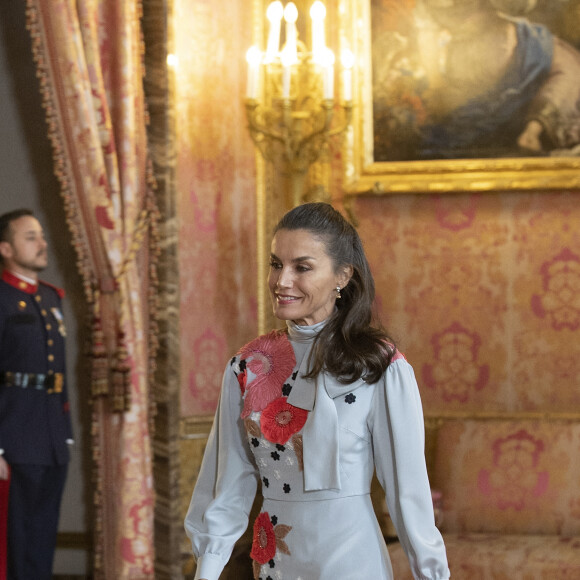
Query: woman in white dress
(309, 413)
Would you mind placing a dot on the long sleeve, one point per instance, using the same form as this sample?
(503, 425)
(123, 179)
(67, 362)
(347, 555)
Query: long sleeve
(399, 450)
(226, 486)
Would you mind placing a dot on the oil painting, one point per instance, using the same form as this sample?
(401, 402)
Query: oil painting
(475, 79)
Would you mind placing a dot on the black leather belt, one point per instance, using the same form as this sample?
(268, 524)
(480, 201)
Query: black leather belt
(51, 383)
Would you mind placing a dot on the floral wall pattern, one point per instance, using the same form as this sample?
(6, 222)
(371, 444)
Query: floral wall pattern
(482, 294)
(480, 291)
(215, 184)
(510, 476)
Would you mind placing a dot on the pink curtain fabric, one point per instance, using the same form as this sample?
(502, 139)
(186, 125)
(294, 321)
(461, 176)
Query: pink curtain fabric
(89, 61)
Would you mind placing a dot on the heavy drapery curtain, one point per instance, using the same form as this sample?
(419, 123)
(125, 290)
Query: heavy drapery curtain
(90, 65)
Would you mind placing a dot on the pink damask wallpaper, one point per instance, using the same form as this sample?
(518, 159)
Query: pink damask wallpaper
(482, 293)
(216, 205)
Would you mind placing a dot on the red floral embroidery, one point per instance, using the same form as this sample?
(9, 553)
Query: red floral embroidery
(280, 420)
(268, 538)
(264, 543)
(242, 381)
(271, 358)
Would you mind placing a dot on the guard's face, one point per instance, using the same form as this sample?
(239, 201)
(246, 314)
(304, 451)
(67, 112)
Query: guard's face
(302, 278)
(26, 251)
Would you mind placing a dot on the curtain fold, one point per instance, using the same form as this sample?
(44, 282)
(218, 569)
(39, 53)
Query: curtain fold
(90, 65)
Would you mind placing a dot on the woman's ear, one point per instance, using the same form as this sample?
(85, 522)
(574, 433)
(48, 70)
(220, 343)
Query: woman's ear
(344, 275)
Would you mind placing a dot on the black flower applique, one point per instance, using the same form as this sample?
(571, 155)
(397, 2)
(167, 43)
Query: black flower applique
(266, 481)
(275, 456)
(294, 375)
(271, 563)
(350, 398)
(280, 447)
(255, 442)
(286, 388)
(286, 488)
(274, 520)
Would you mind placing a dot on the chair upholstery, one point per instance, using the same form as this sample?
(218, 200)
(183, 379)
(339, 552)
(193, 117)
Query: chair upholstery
(510, 499)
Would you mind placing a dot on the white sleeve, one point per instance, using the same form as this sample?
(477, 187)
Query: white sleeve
(225, 488)
(399, 451)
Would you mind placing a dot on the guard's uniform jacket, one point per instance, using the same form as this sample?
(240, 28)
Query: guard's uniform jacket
(34, 410)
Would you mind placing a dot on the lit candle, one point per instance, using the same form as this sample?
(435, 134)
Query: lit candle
(274, 14)
(318, 14)
(328, 74)
(286, 59)
(347, 59)
(253, 56)
(290, 16)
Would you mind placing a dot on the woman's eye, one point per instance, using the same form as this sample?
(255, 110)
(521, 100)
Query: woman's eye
(275, 265)
(302, 268)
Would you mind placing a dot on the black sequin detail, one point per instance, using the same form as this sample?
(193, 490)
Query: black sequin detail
(280, 447)
(274, 520)
(286, 488)
(275, 456)
(350, 398)
(266, 482)
(286, 388)
(255, 442)
(271, 563)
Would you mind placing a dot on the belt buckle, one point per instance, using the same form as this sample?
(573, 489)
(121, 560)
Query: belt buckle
(58, 382)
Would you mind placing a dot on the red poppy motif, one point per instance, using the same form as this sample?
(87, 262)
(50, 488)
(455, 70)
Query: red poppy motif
(264, 543)
(271, 358)
(267, 539)
(242, 377)
(280, 420)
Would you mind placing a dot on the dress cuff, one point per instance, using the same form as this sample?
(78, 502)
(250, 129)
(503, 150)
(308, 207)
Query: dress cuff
(209, 566)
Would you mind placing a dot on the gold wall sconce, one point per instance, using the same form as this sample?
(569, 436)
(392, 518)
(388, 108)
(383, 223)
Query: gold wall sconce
(290, 96)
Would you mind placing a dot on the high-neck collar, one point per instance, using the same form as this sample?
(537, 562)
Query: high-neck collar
(23, 283)
(299, 333)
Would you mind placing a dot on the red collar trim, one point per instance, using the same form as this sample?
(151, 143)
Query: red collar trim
(19, 283)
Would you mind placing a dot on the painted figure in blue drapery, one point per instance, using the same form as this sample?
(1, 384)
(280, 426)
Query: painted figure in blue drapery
(474, 82)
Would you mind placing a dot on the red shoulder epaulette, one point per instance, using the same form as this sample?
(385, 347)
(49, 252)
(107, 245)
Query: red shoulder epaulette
(59, 291)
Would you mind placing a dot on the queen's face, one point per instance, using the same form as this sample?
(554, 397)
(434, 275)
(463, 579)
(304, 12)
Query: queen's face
(302, 278)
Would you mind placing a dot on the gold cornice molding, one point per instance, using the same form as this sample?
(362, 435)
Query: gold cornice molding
(550, 416)
(195, 427)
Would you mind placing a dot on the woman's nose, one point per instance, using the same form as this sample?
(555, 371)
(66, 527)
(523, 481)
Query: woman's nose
(284, 279)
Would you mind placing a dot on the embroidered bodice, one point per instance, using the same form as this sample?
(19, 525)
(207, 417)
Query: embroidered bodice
(311, 442)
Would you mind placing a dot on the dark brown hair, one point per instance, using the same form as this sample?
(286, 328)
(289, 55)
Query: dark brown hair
(351, 345)
(6, 234)
(9, 217)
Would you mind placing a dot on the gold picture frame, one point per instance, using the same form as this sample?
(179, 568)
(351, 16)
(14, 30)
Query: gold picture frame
(363, 174)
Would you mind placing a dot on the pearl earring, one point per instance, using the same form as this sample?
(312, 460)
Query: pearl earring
(338, 292)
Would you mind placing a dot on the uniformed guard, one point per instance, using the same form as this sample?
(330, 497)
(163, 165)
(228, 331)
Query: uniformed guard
(35, 427)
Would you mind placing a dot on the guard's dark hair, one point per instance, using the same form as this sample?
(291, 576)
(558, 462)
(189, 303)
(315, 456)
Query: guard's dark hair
(351, 345)
(7, 218)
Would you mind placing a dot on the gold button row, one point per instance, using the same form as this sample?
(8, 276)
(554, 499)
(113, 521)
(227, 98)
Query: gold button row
(48, 327)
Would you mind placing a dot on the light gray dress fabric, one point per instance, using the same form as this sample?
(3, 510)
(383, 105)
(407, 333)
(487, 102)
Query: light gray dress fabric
(316, 486)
